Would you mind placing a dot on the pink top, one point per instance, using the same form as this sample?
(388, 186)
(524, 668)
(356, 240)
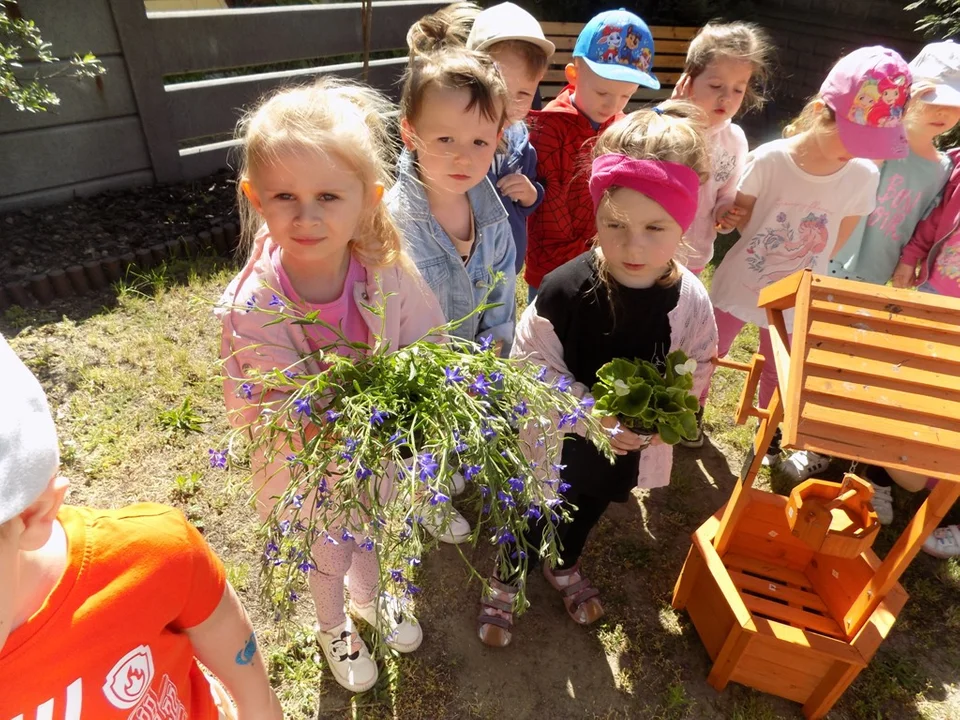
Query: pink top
(342, 312)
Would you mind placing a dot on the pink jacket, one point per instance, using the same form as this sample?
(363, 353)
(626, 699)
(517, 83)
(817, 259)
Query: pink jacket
(692, 329)
(248, 342)
(940, 229)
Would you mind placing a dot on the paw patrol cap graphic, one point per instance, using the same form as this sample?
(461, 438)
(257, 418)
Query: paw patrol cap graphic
(939, 63)
(29, 454)
(868, 90)
(617, 45)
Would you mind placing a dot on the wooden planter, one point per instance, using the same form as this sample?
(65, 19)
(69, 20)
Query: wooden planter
(795, 603)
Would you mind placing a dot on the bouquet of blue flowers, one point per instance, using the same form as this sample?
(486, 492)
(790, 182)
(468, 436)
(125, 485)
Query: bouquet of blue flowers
(648, 401)
(372, 443)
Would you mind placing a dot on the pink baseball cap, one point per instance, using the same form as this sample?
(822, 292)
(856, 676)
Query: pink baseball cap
(868, 90)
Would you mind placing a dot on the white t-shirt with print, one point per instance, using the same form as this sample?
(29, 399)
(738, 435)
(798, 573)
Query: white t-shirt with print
(793, 225)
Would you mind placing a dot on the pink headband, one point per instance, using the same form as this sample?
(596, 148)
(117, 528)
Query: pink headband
(673, 186)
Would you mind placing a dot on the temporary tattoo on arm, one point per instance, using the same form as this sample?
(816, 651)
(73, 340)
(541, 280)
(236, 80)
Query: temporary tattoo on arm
(245, 656)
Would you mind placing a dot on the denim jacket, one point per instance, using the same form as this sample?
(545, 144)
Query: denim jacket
(460, 288)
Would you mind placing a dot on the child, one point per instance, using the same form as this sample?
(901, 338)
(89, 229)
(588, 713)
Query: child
(727, 65)
(628, 297)
(613, 56)
(803, 195)
(453, 109)
(515, 41)
(107, 613)
(908, 189)
(314, 170)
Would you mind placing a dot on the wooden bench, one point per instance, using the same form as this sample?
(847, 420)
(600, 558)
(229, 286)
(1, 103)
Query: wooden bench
(670, 51)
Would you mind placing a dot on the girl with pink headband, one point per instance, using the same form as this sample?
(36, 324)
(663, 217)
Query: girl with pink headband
(628, 297)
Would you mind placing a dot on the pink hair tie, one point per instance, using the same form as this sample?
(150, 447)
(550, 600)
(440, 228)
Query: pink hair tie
(671, 185)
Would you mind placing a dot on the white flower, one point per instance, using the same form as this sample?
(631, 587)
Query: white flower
(615, 430)
(621, 388)
(685, 368)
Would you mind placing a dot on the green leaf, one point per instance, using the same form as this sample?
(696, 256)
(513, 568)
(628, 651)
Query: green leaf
(617, 369)
(688, 425)
(636, 402)
(668, 434)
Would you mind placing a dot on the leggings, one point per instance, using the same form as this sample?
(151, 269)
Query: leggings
(728, 327)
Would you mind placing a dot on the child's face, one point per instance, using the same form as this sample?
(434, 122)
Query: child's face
(637, 236)
(599, 99)
(454, 146)
(521, 85)
(312, 203)
(927, 120)
(719, 90)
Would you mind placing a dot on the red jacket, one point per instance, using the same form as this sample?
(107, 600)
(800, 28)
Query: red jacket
(564, 224)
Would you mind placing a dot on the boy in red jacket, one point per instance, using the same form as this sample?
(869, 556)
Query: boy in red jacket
(612, 57)
(105, 614)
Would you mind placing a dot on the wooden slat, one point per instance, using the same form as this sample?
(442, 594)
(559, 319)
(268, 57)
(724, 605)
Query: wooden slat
(801, 598)
(209, 107)
(891, 314)
(782, 575)
(824, 285)
(39, 159)
(922, 373)
(71, 27)
(703, 538)
(213, 39)
(821, 329)
(827, 647)
(81, 99)
(894, 425)
(551, 29)
(665, 46)
(889, 394)
(792, 616)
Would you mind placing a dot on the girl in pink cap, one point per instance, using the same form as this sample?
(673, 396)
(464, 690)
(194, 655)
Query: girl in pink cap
(800, 199)
(628, 297)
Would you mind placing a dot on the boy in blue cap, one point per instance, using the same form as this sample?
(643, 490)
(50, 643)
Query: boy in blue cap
(612, 58)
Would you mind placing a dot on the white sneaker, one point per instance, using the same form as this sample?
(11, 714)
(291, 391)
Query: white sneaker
(883, 504)
(944, 542)
(348, 657)
(400, 633)
(803, 464)
(457, 484)
(445, 523)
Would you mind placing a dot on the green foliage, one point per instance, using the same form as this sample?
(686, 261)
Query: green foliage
(186, 486)
(942, 19)
(647, 400)
(183, 418)
(20, 41)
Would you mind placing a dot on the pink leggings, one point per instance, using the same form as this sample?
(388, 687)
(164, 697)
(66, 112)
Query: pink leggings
(728, 327)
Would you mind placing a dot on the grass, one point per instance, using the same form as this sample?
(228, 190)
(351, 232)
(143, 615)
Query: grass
(135, 392)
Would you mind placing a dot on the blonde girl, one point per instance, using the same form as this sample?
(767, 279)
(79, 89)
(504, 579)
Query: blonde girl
(802, 197)
(628, 297)
(726, 71)
(319, 239)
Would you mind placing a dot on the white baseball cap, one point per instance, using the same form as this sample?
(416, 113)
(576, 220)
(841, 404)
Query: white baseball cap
(939, 62)
(507, 21)
(29, 454)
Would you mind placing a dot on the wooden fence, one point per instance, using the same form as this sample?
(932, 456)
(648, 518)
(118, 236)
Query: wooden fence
(135, 125)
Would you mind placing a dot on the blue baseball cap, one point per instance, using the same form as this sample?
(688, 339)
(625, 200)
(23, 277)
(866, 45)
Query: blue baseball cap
(617, 45)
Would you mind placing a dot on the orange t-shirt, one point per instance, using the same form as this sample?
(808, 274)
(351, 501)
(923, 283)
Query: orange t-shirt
(108, 642)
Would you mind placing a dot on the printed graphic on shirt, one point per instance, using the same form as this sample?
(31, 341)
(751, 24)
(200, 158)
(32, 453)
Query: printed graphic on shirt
(893, 207)
(130, 678)
(880, 101)
(777, 252)
(165, 706)
(948, 262)
(724, 164)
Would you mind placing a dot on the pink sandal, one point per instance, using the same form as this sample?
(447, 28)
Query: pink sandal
(496, 614)
(581, 599)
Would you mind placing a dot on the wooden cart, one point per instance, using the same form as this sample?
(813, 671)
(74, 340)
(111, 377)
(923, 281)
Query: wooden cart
(872, 374)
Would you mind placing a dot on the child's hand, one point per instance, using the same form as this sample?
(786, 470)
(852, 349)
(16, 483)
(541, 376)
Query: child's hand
(904, 276)
(518, 188)
(729, 217)
(622, 440)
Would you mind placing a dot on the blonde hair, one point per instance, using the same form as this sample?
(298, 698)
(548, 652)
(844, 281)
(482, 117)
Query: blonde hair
(534, 57)
(814, 116)
(734, 41)
(335, 117)
(916, 105)
(671, 133)
(449, 27)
